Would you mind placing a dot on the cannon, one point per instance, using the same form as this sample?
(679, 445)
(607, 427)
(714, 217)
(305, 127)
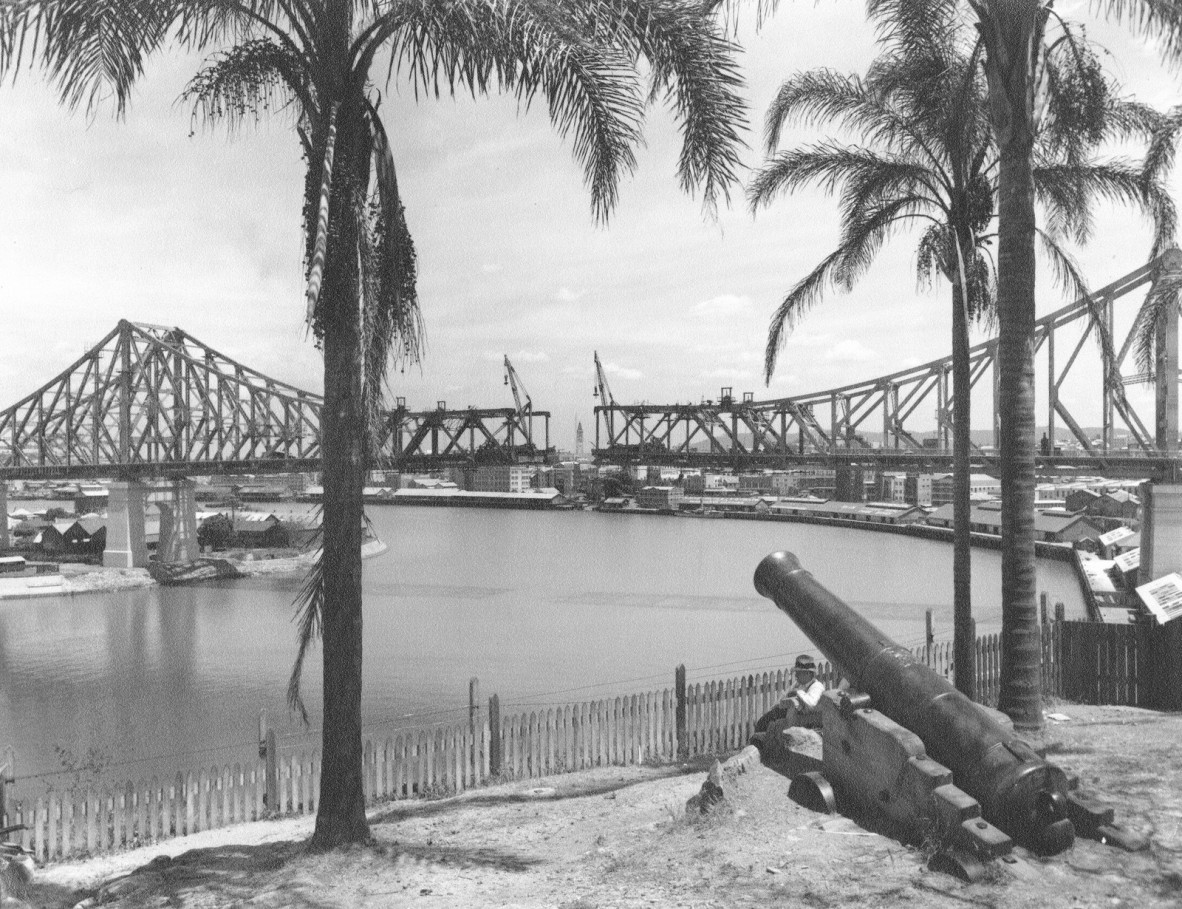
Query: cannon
(1018, 792)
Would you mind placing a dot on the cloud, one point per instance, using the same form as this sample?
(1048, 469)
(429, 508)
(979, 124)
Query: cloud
(566, 295)
(623, 372)
(736, 375)
(850, 351)
(492, 268)
(530, 356)
(723, 306)
(522, 356)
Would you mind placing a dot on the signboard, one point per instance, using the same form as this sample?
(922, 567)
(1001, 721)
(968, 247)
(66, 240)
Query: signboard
(1115, 536)
(1128, 561)
(1163, 597)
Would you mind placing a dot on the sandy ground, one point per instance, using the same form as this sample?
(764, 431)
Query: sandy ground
(621, 837)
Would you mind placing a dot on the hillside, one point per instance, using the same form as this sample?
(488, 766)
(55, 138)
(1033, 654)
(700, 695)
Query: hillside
(620, 837)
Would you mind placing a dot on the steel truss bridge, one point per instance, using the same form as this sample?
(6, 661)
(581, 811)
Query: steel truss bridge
(153, 401)
(830, 426)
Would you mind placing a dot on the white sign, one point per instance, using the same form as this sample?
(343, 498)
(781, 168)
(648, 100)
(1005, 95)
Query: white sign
(1128, 561)
(1163, 597)
(1115, 536)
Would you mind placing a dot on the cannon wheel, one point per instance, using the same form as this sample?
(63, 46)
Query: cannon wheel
(812, 791)
(958, 863)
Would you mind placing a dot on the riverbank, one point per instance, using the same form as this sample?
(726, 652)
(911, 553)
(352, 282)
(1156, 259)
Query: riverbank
(79, 578)
(621, 837)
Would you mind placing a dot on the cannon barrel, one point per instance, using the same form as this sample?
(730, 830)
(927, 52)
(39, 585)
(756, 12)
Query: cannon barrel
(1019, 792)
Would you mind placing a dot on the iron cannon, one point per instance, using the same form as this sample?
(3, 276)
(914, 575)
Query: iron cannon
(1019, 792)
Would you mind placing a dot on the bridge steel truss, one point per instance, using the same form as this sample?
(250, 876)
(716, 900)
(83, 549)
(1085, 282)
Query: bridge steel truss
(829, 424)
(153, 401)
(431, 438)
(150, 400)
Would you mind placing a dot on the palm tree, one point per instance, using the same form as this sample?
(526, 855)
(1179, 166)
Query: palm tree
(1014, 32)
(315, 59)
(927, 157)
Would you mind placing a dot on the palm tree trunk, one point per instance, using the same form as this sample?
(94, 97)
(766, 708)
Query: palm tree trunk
(340, 815)
(1013, 35)
(964, 651)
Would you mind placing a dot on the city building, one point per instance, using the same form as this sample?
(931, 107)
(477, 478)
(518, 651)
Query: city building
(664, 498)
(755, 482)
(503, 478)
(981, 486)
(850, 483)
(892, 486)
(863, 513)
(784, 483)
(917, 489)
(1049, 527)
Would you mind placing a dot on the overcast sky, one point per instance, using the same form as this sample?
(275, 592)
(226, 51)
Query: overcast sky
(141, 220)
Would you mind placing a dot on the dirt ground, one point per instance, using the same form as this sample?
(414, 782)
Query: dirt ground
(621, 837)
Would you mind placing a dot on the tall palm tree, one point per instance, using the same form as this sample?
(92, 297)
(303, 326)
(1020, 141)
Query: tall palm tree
(1014, 33)
(927, 157)
(319, 60)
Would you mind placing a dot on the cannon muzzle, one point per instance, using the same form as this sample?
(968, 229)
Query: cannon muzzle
(1018, 791)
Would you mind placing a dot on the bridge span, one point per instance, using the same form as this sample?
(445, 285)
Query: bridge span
(150, 401)
(831, 426)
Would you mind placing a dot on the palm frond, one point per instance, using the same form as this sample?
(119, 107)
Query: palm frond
(841, 269)
(1163, 299)
(695, 67)
(1159, 19)
(319, 242)
(1069, 277)
(913, 25)
(88, 48)
(391, 320)
(829, 166)
(525, 47)
(1069, 192)
(248, 80)
(309, 605)
(827, 97)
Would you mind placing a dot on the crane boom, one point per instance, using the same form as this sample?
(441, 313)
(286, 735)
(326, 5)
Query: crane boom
(602, 390)
(519, 392)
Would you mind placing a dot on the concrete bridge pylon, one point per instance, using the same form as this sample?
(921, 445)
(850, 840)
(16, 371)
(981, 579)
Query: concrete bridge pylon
(127, 545)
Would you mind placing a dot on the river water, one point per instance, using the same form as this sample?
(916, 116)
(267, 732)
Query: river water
(543, 607)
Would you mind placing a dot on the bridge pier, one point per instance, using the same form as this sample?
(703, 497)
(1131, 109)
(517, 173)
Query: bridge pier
(178, 522)
(126, 547)
(1161, 530)
(3, 515)
(1166, 367)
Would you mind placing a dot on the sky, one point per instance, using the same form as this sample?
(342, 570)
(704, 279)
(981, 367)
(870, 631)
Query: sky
(154, 220)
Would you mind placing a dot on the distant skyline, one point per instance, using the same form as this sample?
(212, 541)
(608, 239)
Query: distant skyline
(141, 220)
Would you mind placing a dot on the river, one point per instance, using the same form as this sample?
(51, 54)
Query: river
(542, 607)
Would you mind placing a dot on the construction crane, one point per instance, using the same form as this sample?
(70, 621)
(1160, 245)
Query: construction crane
(602, 391)
(519, 392)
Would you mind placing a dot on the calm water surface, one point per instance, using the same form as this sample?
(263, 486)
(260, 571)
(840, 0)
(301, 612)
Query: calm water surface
(542, 607)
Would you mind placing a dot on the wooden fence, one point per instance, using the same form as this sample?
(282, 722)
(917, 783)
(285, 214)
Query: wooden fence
(1087, 662)
(1135, 665)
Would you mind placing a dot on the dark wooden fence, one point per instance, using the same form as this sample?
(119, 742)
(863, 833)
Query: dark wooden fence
(1135, 665)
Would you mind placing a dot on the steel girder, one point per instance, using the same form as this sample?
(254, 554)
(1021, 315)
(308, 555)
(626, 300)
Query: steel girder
(490, 436)
(148, 399)
(710, 432)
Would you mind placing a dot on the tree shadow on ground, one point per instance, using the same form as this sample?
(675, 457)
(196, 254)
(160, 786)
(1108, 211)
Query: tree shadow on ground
(227, 873)
(457, 857)
(564, 789)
